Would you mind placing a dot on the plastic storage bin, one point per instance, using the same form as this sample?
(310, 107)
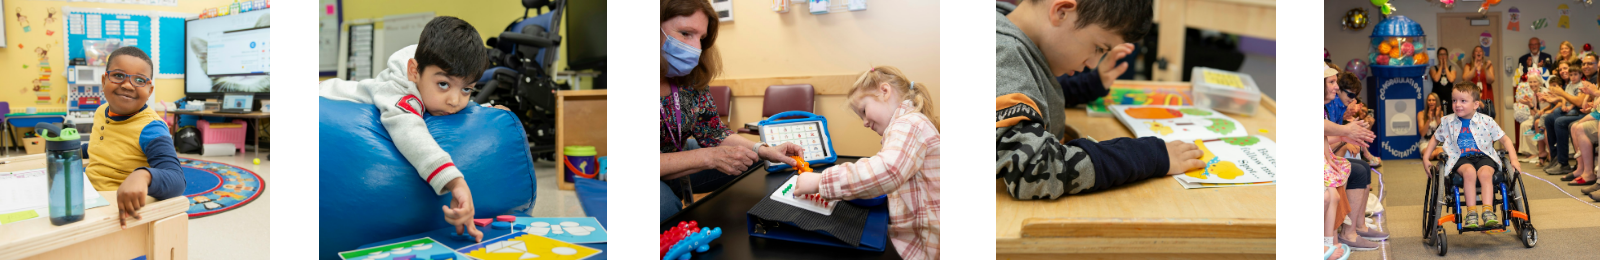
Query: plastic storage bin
(1225, 91)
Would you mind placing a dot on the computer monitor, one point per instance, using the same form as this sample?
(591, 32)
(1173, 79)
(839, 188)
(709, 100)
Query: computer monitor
(238, 101)
(228, 54)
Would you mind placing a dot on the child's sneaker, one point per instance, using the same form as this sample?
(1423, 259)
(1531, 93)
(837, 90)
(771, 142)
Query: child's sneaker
(1489, 219)
(1469, 217)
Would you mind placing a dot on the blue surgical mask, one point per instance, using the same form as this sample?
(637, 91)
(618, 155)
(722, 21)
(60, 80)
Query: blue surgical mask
(681, 58)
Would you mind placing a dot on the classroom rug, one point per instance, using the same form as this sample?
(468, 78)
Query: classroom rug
(214, 187)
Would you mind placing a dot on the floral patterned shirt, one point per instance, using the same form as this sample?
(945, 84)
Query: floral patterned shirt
(690, 113)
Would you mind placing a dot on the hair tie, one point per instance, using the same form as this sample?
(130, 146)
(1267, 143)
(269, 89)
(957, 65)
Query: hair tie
(913, 85)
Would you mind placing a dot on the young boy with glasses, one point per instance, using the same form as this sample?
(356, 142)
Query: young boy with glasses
(131, 146)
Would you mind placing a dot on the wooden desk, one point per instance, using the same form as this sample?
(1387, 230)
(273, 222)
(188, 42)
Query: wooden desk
(255, 120)
(1150, 218)
(1255, 18)
(580, 120)
(163, 233)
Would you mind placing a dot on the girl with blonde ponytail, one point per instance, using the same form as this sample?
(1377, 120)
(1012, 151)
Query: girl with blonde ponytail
(906, 169)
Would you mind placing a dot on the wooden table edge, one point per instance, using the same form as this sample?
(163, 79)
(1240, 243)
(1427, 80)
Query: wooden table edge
(1150, 227)
(89, 228)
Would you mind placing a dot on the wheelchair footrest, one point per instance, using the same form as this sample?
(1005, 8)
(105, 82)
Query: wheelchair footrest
(1486, 228)
(1519, 215)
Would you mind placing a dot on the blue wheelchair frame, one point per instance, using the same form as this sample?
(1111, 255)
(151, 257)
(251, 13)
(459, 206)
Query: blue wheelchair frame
(1511, 200)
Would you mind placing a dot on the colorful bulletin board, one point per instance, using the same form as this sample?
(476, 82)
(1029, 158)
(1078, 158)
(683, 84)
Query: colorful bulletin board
(161, 34)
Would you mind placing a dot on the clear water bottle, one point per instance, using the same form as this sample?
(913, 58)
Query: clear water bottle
(65, 169)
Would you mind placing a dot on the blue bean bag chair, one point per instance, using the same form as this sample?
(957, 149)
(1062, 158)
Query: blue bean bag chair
(370, 193)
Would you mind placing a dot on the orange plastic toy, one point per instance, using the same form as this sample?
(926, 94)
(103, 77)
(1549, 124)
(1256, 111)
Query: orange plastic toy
(800, 164)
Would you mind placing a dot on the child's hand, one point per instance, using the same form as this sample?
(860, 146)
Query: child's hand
(808, 183)
(782, 152)
(1110, 71)
(1182, 157)
(130, 196)
(460, 211)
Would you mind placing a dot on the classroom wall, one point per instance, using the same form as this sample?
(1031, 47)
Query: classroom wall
(762, 43)
(14, 79)
(489, 17)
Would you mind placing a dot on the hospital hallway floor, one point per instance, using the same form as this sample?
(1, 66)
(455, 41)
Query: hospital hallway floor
(1567, 227)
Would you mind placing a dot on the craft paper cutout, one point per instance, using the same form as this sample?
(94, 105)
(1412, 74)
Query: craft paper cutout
(1486, 39)
(1563, 23)
(1516, 20)
(50, 15)
(41, 85)
(1540, 24)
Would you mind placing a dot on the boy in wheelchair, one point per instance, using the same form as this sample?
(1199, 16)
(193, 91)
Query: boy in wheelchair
(1468, 139)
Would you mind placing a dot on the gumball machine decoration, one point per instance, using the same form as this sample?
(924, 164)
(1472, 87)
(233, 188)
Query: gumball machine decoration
(1399, 61)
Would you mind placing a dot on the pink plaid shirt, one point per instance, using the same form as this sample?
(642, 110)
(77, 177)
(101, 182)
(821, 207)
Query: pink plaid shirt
(907, 169)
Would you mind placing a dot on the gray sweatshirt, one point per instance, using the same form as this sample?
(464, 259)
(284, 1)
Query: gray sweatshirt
(1030, 119)
(397, 98)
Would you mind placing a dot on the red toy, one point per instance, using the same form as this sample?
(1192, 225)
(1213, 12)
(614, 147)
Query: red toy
(506, 218)
(482, 222)
(672, 236)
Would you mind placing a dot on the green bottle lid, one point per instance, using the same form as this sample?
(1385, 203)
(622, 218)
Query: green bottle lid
(578, 151)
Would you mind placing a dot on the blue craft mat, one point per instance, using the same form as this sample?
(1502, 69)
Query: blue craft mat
(201, 177)
(447, 237)
(421, 255)
(596, 236)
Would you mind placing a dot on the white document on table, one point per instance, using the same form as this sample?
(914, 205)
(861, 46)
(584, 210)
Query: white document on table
(30, 190)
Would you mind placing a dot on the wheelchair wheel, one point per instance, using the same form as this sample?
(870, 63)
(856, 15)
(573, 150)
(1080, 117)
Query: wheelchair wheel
(1439, 242)
(1430, 214)
(1528, 235)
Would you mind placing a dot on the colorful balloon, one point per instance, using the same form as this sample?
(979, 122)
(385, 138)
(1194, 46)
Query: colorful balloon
(1405, 49)
(1421, 58)
(1383, 59)
(1385, 8)
(1357, 67)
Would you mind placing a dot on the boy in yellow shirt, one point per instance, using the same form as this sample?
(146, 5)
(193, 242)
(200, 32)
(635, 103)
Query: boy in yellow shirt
(131, 150)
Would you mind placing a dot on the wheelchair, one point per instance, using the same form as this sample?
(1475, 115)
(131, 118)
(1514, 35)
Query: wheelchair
(521, 73)
(1444, 198)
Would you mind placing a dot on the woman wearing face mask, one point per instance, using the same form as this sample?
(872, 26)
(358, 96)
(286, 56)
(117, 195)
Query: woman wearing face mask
(697, 152)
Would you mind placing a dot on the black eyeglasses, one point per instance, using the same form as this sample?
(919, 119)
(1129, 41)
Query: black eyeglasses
(119, 77)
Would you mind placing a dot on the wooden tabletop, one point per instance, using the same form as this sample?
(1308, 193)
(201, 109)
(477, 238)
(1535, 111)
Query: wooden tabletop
(1151, 217)
(256, 114)
(34, 236)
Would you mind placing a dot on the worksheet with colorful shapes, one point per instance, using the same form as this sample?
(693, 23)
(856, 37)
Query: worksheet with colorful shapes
(415, 249)
(1177, 123)
(574, 230)
(520, 245)
(1233, 161)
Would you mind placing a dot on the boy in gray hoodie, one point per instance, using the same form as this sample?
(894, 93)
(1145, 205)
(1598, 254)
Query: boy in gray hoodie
(434, 77)
(1038, 40)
